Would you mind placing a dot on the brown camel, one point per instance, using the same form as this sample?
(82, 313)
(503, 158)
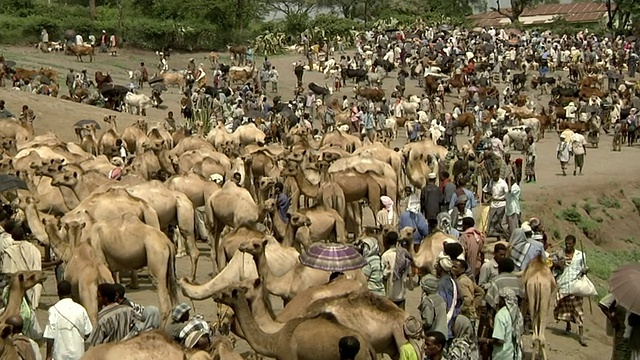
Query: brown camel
(331, 194)
(19, 283)
(540, 285)
(429, 249)
(135, 136)
(149, 345)
(303, 339)
(107, 141)
(422, 158)
(294, 281)
(325, 224)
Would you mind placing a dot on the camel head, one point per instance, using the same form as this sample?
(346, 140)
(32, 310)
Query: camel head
(406, 233)
(74, 231)
(254, 248)
(266, 182)
(68, 179)
(6, 164)
(8, 144)
(291, 168)
(298, 220)
(230, 295)
(270, 206)
(25, 280)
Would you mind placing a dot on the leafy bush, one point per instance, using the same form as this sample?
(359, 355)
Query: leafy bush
(609, 202)
(589, 227)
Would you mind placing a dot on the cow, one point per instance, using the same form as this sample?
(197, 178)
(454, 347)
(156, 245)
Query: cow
(515, 137)
(519, 80)
(586, 93)
(140, 102)
(239, 53)
(373, 94)
(173, 78)
(568, 91)
(466, 120)
(360, 75)
(24, 74)
(319, 90)
(102, 78)
(584, 126)
(240, 74)
(82, 50)
(213, 59)
(533, 124)
(50, 74)
(388, 66)
(542, 81)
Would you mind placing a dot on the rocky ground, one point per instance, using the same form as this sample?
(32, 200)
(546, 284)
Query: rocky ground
(600, 207)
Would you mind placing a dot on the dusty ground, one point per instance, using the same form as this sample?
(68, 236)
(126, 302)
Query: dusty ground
(606, 174)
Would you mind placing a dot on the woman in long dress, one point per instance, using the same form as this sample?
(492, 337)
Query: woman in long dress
(569, 266)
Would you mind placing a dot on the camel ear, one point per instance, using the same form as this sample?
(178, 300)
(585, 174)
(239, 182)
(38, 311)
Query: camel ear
(6, 331)
(257, 282)
(83, 225)
(75, 174)
(234, 293)
(21, 277)
(265, 242)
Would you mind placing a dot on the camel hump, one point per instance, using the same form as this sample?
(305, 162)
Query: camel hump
(362, 164)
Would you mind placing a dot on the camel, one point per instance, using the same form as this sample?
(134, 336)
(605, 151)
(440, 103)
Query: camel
(107, 141)
(19, 283)
(310, 338)
(422, 158)
(160, 137)
(383, 153)
(148, 345)
(20, 130)
(83, 268)
(429, 249)
(540, 285)
(248, 134)
(325, 224)
(287, 231)
(188, 160)
(7, 348)
(197, 188)
(342, 140)
(332, 195)
(294, 281)
(231, 206)
(135, 136)
(219, 136)
(127, 243)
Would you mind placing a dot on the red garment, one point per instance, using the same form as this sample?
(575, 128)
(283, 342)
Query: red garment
(443, 183)
(472, 242)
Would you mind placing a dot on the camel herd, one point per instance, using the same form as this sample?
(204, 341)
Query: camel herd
(100, 225)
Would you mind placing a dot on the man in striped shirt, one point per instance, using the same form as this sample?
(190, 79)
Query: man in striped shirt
(115, 321)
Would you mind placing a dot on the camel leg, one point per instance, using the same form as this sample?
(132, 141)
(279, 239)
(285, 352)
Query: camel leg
(158, 259)
(186, 226)
(134, 284)
(341, 233)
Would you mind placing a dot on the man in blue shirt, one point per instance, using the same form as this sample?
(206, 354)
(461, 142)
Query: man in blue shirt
(282, 201)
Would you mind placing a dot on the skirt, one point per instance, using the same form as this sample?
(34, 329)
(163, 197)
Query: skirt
(530, 168)
(569, 309)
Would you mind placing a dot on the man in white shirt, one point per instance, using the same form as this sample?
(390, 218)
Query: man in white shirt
(498, 189)
(512, 210)
(67, 327)
(395, 279)
(579, 150)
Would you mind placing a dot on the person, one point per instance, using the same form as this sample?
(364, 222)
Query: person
(198, 340)
(430, 200)
(444, 225)
(370, 250)
(4, 112)
(348, 346)
(413, 218)
(413, 348)
(435, 343)
(122, 150)
(461, 189)
(569, 266)
(530, 167)
(67, 326)
(579, 149)
(273, 74)
(472, 242)
(169, 123)
(616, 316)
(505, 279)
(282, 201)
(498, 189)
(448, 289)
(460, 212)
(512, 210)
(537, 231)
(536, 247)
(508, 327)
(79, 40)
(113, 45)
(464, 345)
(563, 153)
(448, 188)
(396, 265)
(26, 348)
(264, 79)
(70, 81)
(44, 40)
(433, 309)
(115, 321)
(103, 42)
(386, 215)
(144, 75)
(182, 325)
(471, 293)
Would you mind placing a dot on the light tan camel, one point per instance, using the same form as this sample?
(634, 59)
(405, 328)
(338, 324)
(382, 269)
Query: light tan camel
(422, 158)
(135, 136)
(429, 249)
(19, 283)
(107, 141)
(127, 243)
(160, 137)
(326, 224)
(340, 139)
(383, 153)
(196, 187)
(304, 339)
(232, 206)
(20, 130)
(539, 285)
(331, 194)
(146, 346)
(83, 268)
(294, 281)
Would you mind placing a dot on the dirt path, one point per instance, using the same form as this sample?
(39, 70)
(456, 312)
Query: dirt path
(604, 171)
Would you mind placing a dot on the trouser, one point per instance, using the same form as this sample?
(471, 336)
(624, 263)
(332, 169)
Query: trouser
(513, 221)
(496, 220)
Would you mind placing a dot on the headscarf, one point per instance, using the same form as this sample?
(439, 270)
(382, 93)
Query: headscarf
(445, 262)
(519, 246)
(388, 204)
(511, 302)
(370, 247)
(429, 284)
(463, 330)
(444, 222)
(403, 262)
(413, 331)
(150, 319)
(413, 204)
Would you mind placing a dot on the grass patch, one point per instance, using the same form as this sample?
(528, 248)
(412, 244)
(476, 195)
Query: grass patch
(609, 203)
(588, 208)
(588, 226)
(636, 203)
(602, 263)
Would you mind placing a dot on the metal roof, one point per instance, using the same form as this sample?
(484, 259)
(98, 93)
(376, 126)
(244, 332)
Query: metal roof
(574, 12)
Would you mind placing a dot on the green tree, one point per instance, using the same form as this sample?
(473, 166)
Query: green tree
(293, 7)
(622, 13)
(518, 7)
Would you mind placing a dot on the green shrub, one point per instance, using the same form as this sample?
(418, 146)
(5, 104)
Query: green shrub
(609, 203)
(589, 227)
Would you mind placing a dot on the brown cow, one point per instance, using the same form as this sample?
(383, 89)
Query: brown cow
(239, 53)
(584, 126)
(102, 78)
(587, 92)
(50, 73)
(373, 94)
(546, 121)
(24, 74)
(82, 50)
(240, 75)
(466, 120)
(457, 82)
(431, 85)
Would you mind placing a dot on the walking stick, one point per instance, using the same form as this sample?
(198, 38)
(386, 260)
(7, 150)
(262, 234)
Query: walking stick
(584, 260)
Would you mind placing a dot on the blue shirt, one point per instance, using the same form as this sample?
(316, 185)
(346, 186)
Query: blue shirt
(416, 221)
(535, 249)
(283, 206)
(471, 200)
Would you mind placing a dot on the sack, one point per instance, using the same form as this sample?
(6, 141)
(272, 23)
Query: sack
(583, 287)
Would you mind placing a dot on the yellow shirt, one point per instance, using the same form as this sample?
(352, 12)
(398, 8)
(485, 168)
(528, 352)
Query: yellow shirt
(407, 352)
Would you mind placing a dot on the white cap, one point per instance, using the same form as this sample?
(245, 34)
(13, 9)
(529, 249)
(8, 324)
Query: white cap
(526, 227)
(562, 136)
(432, 176)
(216, 178)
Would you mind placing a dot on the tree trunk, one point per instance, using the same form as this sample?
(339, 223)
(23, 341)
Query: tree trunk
(92, 6)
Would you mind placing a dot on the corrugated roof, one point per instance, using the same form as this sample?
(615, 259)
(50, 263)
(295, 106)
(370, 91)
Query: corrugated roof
(575, 12)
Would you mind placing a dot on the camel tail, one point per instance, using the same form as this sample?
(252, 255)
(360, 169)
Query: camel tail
(172, 282)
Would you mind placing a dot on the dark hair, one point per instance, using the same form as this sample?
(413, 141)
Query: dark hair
(506, 265)
(453, 250)
(64, 288)
(444, 174)
(499, 247)
(391, 238)
(437, 336)
(468, 222)
(17, 233)
(120, 290)
(279, 186)
(348, 346)
(462, 263)
(108, 292)
(570, 238)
